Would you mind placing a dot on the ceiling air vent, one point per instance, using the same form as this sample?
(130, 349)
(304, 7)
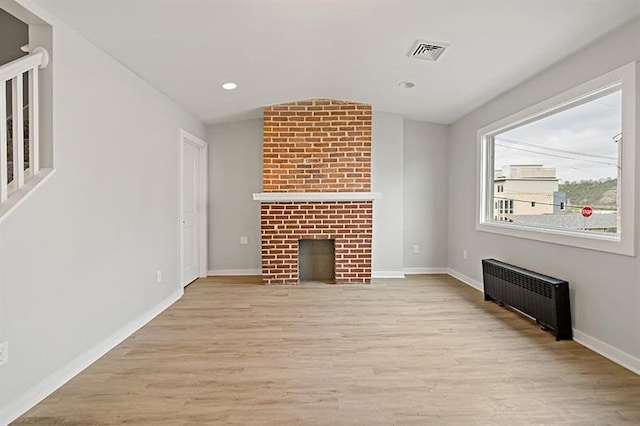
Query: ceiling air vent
(427, 50)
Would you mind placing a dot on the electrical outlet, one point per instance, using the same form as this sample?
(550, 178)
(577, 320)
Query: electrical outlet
(464, 254)
(416, 249)
(159, 276)
(4, 353)
(244, 241)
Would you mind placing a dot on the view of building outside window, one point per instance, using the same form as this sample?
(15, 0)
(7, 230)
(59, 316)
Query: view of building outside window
(547, 171)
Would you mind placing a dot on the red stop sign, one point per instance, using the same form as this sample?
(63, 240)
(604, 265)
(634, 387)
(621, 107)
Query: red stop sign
(586, 211)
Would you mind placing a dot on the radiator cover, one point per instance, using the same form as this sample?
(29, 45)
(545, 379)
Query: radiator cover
(544, 298)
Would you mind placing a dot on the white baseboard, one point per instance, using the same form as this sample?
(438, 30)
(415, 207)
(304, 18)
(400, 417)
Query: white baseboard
(606, 350)
(418, 271)
(465, 279)
(387, 274)
(218, 272)
(30, 398)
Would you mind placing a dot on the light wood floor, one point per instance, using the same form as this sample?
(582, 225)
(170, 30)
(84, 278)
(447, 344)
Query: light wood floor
(422, 351)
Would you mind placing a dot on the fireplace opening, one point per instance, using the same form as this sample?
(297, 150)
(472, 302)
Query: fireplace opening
(316, 261)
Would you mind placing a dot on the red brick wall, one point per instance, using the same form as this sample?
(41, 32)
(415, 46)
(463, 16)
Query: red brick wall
(349, 223)
(319, 145)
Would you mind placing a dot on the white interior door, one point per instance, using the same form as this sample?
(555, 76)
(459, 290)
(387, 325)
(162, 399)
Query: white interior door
(190, 212)
(193, 207)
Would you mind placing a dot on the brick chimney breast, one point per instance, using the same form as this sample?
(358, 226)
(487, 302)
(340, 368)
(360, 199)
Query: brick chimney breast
(317, 146)
(320, 145)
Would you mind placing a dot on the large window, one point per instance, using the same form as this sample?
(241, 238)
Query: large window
(563, 171)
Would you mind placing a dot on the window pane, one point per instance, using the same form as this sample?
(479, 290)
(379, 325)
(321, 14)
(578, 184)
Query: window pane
(553, 167)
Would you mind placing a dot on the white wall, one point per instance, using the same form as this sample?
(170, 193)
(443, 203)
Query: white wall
(605, 288)
(387, 140)
(79, 258)
(235, 173)
(425, 197)
(407, 167)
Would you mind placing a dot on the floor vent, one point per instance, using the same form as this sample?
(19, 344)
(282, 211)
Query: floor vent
(427, 50)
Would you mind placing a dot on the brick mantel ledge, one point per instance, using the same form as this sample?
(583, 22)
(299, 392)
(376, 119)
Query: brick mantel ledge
(284, 197)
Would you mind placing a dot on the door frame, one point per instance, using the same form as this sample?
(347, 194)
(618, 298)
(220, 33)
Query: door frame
(203, 160)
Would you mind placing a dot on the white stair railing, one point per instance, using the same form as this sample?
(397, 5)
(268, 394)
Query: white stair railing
(15, 72)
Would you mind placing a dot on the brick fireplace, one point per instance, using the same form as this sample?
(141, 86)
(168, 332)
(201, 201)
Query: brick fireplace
(316, 185)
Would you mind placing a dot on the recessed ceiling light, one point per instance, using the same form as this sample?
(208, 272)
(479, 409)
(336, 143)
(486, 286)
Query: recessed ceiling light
(406, 84)
(229, 86)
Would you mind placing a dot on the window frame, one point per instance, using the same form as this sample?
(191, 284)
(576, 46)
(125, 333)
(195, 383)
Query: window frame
(623, 243)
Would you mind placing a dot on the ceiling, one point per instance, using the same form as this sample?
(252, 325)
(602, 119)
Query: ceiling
(286, 50)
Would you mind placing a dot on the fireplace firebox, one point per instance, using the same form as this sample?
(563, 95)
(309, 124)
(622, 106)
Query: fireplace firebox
(316, 261)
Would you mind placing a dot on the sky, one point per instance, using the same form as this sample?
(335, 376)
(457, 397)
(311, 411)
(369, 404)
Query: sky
(578, 142)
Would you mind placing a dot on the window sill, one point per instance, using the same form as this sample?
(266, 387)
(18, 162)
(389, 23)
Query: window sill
(613, 243)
